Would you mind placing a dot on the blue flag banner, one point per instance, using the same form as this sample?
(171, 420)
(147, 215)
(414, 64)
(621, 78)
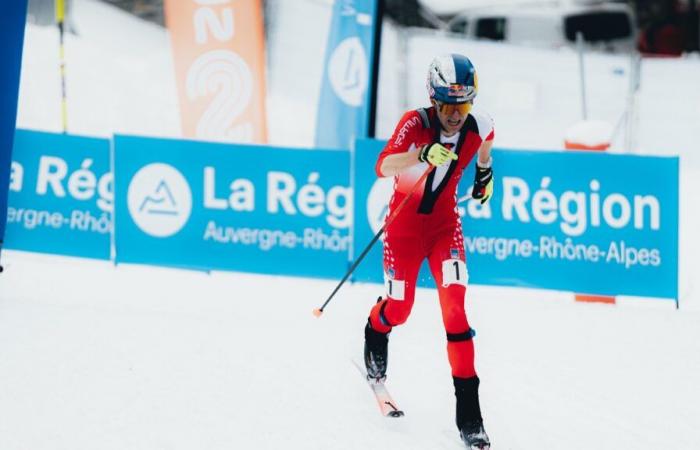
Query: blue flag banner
(574, 221)
(344, 104)
(12, 22)
(232, 207)
(61, 195)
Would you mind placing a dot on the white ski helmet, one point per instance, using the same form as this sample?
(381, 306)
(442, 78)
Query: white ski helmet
(452, 79)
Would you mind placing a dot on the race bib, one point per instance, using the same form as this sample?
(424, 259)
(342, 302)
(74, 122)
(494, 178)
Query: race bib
(394, 288)
(454, 271)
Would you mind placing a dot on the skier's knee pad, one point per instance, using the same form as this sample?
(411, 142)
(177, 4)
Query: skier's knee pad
(459, 337)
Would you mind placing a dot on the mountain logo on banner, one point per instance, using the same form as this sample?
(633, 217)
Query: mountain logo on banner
(159, 200)
(347, 71)
(378, 202)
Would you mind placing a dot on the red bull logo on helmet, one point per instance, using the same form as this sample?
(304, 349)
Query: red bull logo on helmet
(457, 90)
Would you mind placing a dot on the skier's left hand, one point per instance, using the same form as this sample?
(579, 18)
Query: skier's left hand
(483, 183)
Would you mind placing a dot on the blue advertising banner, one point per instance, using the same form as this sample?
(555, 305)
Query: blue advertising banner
(343, 108)
(232, 207)
(577, 221)
(12, 19)
(60, 195)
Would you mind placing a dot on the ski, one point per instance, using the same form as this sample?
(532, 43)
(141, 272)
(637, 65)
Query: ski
(387, 405)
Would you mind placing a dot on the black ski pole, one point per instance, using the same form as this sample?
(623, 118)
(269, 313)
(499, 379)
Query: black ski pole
(319, 311)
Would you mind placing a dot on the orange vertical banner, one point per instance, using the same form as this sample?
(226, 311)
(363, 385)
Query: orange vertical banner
(219, 54)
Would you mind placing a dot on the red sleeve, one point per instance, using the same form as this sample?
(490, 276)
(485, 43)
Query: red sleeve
(406, 133)
(491, 135)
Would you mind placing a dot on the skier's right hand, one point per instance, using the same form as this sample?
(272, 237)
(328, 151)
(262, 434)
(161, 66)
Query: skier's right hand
(435, 154)
(483, 183)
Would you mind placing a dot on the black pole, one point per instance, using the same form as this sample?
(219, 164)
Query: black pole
(387, 222)
(376, 46)
(351, 269)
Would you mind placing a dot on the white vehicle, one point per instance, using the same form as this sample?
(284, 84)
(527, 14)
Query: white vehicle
(608, 26)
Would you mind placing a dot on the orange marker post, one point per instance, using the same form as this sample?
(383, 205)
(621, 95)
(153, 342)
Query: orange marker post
(590, 135)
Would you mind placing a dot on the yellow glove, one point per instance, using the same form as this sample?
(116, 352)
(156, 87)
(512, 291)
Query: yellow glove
(436, 154)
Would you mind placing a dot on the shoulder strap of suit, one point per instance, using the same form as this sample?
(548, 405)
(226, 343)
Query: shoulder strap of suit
(425, 119)
(429, 122)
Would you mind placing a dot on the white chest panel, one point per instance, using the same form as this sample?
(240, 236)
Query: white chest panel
(441, 171)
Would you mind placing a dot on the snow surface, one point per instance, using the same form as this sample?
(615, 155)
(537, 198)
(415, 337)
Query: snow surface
(97, 356)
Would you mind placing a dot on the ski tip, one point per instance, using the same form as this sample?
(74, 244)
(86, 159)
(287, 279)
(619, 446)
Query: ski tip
(318, 312)
(397, 413)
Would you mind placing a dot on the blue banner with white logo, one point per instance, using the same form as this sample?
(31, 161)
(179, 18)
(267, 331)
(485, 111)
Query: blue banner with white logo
(12, 22)
(602, 228)
(344, 104)
(60, 195)
(586, 222)
(232, 207)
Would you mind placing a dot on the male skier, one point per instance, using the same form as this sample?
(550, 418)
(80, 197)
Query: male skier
(446, 136)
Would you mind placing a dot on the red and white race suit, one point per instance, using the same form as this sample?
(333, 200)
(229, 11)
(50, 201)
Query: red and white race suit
(429, 227)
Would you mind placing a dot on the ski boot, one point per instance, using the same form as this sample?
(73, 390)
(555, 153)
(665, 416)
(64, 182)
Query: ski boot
(376, 353)
(474, 436)
(468, 414)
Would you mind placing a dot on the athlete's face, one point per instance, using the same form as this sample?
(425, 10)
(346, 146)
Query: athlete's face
(452, 115)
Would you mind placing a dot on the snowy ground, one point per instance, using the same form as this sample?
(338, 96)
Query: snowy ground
(97, 356)
(94, 356)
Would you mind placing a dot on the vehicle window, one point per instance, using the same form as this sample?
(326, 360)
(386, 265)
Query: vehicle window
(598, 26)
(493, 28)
(459, 26)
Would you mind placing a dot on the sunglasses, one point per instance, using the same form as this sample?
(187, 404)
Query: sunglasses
(449, 108)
